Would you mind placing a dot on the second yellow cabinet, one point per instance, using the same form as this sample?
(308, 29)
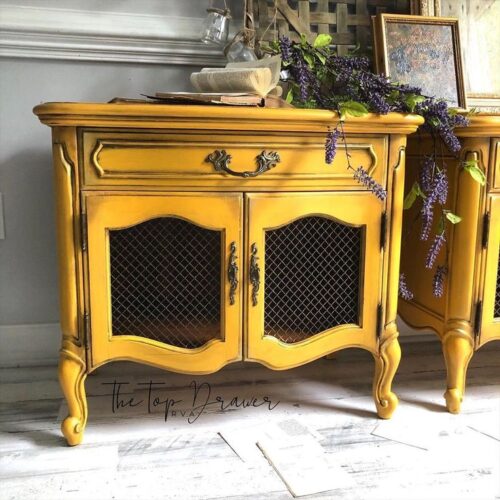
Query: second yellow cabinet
(467, 314)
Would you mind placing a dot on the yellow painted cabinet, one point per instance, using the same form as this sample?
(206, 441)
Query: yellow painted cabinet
(191, 237)
(467, 315)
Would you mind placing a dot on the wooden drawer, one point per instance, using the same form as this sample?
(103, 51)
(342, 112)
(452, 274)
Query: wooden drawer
(115, 158)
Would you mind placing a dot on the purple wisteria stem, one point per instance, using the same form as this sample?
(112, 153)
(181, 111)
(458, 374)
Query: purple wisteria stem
(348, 156)
(362, 176)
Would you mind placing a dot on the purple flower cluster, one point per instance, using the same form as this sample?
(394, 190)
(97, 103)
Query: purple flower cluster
(435, 249)
(373, 89)
(438, 193)
(331, 145)
(377, 103)
(427, 218)
(459, 121)
(285, 49)
(364, 178)
(407, 89)
(449, 138)
(427, 173)
(404, 291)
(440, 187)
(438, 119)
(438, 281)
(302, 76)
(349, 63)
(352, 80)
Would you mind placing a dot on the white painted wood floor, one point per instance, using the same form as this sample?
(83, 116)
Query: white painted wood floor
(422, 453)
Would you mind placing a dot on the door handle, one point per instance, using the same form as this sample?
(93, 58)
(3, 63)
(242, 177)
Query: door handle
(232, 272)
(254, 273)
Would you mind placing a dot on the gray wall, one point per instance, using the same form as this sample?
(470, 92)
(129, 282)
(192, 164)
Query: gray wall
(28, 292)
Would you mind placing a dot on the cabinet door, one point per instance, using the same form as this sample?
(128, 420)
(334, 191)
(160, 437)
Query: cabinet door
(313, 287)
(164, 283)
(490, 324)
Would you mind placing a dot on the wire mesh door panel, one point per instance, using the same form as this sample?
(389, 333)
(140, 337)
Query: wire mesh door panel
(164, 276)
(166, 281)
(314, 275)
(313, 278)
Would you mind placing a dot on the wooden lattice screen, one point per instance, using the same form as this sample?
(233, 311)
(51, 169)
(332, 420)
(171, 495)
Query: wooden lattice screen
(348, 21)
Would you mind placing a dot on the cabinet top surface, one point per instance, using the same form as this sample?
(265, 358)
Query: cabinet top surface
(481, 125)
(145, 115)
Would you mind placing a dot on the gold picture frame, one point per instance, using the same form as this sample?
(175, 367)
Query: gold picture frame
(421, 51)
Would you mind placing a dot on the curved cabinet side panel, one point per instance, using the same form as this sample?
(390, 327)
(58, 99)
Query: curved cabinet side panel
(66, 191)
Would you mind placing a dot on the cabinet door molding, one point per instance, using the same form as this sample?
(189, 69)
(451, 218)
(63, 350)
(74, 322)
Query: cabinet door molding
(159, 279)
(319, 260)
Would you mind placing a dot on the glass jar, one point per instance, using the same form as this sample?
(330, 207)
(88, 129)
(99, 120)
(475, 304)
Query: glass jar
(238, 51)
(216, 26)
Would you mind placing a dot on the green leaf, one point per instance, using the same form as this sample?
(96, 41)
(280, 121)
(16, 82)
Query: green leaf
(303, 39)
(453, 218)
(309, 59)
(411, 100)
(441, 225)
(434, 122)
(393, 95)
(419, 190)
(321, 57)
(274, 45)
(471, 163)
(352, 108)
(472, 167)
(322, 40)
(410, 198)
(289, 96)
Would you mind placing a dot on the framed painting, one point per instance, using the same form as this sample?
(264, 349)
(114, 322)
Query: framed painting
(423, 52)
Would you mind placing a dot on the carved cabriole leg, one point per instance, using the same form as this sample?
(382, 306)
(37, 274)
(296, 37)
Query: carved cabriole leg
(386, 364)
(72, 378)
(458, 348)
(389, 352)
(458, 334)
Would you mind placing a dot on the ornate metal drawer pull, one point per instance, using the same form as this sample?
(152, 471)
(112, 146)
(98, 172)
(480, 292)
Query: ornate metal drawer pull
(232, 272)
(265, 161)
(254, 273)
